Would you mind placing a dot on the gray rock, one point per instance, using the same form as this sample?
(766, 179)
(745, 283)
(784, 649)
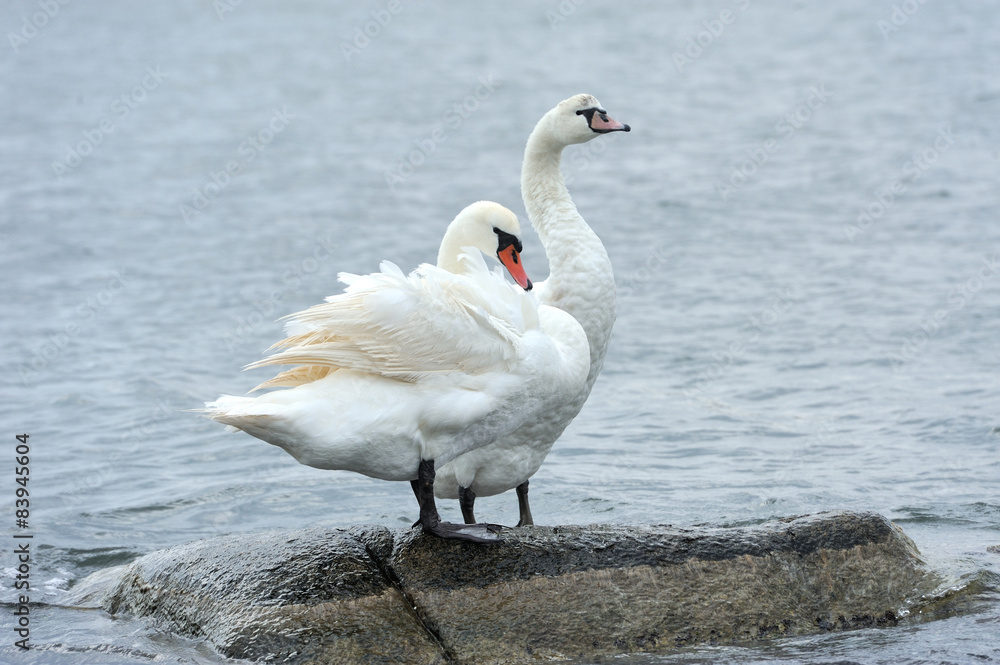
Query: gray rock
(371, 595)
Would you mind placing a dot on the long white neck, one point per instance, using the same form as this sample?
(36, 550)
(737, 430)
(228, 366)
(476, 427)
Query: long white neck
(451, 247)
(581, 281)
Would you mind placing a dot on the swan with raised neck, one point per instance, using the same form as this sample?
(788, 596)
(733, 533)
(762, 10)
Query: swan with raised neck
(581, 282)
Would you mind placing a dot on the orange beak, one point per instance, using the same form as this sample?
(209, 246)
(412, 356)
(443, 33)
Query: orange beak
(511, 260)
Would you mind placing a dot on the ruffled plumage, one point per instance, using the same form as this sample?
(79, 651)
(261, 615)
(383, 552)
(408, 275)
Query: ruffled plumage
(405, 326)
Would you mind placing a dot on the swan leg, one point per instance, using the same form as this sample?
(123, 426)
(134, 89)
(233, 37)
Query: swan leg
(522, 505)
(415, 486)
(430, 520)
(467, 499)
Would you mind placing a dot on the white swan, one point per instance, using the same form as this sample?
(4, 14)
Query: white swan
(398, 372)
(580, 283)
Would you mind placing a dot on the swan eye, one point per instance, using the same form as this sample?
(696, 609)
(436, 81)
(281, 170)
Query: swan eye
(505, 240)
(589, 114)
(603, 118)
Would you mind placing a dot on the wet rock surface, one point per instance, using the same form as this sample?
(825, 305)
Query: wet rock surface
(373, 595)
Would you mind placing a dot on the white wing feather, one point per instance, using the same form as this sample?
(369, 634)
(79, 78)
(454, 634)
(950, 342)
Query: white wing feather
(404, 326)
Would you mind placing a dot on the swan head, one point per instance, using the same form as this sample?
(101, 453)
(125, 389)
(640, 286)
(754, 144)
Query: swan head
(490, 228)
(579, 119)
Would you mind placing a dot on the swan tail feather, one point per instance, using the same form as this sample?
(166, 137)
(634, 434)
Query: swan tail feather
(241, 413)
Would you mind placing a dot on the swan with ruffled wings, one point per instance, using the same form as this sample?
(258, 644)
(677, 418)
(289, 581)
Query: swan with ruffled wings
(400, 373)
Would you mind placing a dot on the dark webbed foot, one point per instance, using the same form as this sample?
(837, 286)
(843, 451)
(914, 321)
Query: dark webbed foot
(476, 533)
(423, 488)
(522, 504)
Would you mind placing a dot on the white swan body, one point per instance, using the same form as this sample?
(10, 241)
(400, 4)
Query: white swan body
(581, 283)
(402, 369)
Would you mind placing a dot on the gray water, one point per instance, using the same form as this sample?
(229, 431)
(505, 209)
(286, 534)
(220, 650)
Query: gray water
(772, 356)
